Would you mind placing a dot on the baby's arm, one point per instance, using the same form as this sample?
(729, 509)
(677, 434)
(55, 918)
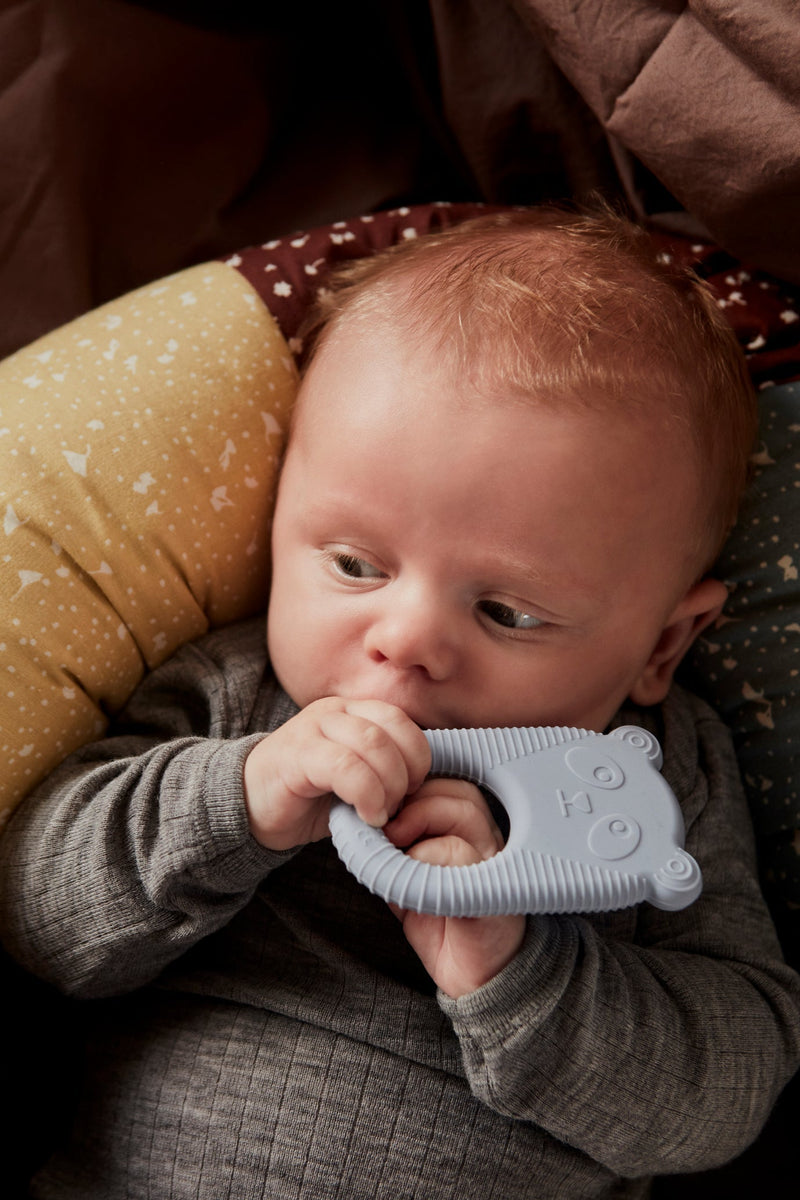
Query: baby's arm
(140, 845)
(653, 1042)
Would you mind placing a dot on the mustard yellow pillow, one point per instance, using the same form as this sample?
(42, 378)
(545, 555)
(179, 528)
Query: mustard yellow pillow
(139, 448)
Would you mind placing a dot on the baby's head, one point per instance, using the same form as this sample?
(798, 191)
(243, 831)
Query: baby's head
(517, 449)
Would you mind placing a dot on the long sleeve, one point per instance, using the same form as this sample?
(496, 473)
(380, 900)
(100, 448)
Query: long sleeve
(652, 1041)
(139, 846)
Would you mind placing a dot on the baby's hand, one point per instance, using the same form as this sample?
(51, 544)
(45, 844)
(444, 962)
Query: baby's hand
(448, 822)
(368, 753)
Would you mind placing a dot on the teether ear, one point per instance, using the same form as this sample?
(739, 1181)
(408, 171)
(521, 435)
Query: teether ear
(593, 826)
(640, 740)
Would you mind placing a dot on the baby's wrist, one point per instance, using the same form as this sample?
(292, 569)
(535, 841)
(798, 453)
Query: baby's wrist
(257, 804)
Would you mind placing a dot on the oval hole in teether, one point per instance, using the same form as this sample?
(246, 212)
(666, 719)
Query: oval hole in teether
(498, 811)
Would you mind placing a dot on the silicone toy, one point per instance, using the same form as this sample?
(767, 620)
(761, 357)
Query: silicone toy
(593, 827)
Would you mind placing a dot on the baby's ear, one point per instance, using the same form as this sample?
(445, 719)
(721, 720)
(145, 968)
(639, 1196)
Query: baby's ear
(701, 605)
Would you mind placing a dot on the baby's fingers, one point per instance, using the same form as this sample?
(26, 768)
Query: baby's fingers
(447, 851)
(404, 733)
(365, 763)
(447, 808)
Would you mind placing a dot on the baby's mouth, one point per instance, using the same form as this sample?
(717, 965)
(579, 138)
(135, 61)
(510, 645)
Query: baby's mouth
(423, 715)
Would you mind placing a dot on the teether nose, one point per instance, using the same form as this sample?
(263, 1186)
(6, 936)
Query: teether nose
(593, 826)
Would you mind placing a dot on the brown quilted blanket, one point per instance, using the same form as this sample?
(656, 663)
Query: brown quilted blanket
(138, 138)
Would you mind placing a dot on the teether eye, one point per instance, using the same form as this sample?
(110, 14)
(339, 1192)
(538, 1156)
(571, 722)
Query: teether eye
(615, 836)
(594, 768)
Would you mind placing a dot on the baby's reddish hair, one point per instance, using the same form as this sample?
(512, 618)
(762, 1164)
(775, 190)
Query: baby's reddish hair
(569, 307)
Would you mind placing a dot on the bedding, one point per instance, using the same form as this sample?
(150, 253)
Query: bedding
(139, 447)
(747, 667)
(152, 430)
(704, 94)
(139, 138)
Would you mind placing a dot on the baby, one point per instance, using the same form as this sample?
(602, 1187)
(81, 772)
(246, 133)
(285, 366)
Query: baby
(517, 448)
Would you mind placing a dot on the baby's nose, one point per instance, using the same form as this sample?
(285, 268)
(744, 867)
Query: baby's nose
(414, 637)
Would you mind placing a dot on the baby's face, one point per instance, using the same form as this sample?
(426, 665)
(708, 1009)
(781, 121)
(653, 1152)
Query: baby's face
(475, 563)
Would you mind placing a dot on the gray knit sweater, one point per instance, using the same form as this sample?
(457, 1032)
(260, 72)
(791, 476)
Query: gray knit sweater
(258, 1026)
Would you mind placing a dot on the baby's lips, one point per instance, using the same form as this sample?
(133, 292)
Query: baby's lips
(407, 695)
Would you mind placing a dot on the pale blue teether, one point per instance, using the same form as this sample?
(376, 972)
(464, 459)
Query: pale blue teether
(593, 826)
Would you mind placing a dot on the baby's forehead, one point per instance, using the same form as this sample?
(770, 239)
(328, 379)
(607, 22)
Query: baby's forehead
(479, 381)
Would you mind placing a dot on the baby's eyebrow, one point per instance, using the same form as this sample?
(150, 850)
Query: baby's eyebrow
(515, 565)
(563, 589)
(329, 506)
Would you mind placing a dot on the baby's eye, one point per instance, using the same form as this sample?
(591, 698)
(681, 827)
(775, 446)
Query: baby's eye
(354, 567)
(508, 617)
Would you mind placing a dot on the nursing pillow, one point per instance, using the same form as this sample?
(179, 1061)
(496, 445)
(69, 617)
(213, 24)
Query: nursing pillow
(139, 447)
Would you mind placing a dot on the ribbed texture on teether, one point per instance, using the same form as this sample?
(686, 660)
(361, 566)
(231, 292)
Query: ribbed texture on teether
(470, 753)
(513, 881)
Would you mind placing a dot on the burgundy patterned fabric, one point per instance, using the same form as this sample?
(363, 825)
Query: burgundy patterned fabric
(286, 273)
(764, 311)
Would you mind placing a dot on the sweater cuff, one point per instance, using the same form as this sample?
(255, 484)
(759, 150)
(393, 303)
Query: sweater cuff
(233, 859)
(525, 992)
